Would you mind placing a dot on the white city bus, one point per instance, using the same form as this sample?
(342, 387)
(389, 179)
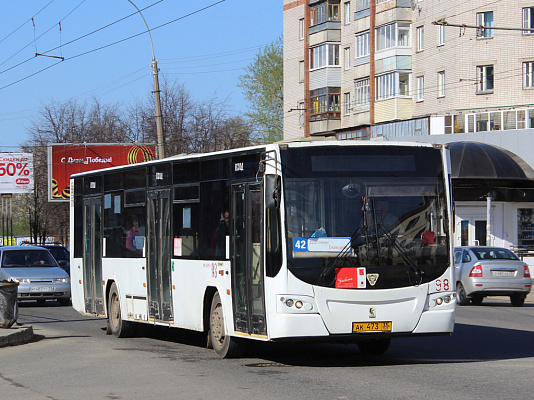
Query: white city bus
(320, 240)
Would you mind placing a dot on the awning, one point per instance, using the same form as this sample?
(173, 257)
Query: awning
(471, 160)
(480, 169)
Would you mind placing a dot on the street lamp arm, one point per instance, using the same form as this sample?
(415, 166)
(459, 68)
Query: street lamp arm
(147, 28)
(157, 101)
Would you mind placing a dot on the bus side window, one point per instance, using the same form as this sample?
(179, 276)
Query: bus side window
(134, 232)
(185, 230)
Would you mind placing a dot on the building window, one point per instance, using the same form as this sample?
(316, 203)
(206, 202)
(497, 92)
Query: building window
(528, 20)
(404, 84)
(346, 103)
(302, 29)
(385, 37)
(441, 37)
(485, 79)
(324, 55)
(301, 71)
(441, 84)
(347, 57)
(346, 7)
(325, 103)
(362, 5)
(392, 85)
(362, 44)
(528, 75)
(386, 86)
(420, 88)
(403, 35)
(454, 123)
(324, 11)
(362, 92)
(420, 38)
(485, 19)
(525, 227)
(393, 35)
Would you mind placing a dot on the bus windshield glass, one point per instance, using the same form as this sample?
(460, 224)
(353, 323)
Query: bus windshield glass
(381, 208)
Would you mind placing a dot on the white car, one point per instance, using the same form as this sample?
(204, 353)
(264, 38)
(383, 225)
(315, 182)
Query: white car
(490, 271)
(39, 275)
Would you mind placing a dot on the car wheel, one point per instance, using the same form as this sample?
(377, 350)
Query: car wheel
(463, 300)
(374, 346)
(225, 346)
(118, 327)
(64, 302)
(517, 300)
(477, 300)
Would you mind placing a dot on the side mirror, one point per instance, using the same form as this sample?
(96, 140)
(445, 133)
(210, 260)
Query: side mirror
(62, 263)
(272, 191)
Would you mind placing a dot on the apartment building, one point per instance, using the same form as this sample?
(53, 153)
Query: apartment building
(355, 69)
(428, 70)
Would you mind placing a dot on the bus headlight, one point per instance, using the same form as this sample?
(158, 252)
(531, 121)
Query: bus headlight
(439, 299)
(295, 304)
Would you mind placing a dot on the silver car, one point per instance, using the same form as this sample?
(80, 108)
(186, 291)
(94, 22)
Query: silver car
(40, 277)
(490, 271)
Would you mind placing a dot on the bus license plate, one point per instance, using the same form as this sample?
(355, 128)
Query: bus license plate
(371, 326)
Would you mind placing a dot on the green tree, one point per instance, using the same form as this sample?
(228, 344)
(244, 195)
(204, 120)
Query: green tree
(262, 86)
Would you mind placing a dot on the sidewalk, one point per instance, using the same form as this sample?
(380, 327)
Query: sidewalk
(15, 335)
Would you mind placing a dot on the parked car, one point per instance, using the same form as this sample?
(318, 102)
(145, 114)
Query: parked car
(61, 254)
(39, 275)
(490, 271)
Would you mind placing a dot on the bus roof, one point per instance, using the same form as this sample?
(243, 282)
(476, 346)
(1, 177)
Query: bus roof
(284, 144)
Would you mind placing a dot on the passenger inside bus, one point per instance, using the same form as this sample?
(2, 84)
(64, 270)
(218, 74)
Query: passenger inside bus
(132, 239)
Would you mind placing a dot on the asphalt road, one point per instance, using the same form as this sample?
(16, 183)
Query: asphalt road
(489, 356)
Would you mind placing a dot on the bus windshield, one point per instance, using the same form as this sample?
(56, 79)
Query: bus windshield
(379, 207)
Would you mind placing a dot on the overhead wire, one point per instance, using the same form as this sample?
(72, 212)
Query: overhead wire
(25, 22)
(104, 46)
(38, 37)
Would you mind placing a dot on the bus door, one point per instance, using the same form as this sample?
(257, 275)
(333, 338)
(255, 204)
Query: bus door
(247, 264)
(92, 256)
(159, 255)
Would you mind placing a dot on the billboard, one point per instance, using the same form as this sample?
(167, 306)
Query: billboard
(16, 173)
(67, 159)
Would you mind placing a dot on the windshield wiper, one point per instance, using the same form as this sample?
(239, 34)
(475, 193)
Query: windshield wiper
(407, 259)
(342, 255)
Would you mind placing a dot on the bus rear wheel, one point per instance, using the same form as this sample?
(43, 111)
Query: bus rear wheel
(225, 346)
(374, 346)
(118, 327)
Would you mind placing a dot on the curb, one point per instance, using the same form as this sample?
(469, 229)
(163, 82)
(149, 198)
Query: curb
(15, 335)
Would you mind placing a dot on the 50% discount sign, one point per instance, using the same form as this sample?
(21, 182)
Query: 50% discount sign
(16, 172)
(12, 169)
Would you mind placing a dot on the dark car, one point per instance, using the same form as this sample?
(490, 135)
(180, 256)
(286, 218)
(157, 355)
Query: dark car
(61, 254)
(490, 271)
(39, 275)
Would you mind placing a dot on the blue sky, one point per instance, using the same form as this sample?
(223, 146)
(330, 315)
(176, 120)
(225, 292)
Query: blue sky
(206, 49)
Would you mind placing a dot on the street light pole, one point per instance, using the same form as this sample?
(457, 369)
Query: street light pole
(159, 121)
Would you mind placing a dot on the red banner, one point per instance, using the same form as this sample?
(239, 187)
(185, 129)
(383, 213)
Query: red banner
(65, 160)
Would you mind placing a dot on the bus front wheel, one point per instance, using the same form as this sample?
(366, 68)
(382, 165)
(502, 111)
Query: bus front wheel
(225, 346)
(118, 327)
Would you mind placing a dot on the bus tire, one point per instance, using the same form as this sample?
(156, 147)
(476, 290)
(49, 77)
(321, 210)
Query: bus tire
(374, 346)
(117, 326)
(225, 346)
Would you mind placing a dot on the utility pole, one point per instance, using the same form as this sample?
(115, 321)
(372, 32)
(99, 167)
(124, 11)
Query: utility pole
(159, 118)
